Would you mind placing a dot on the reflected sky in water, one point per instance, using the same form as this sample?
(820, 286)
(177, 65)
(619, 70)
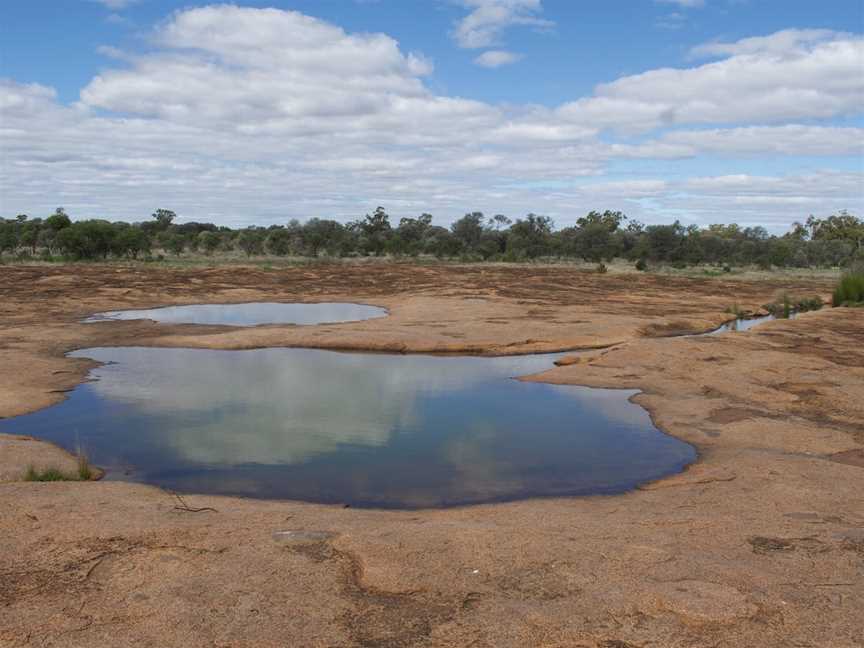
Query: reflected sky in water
(251, 314)
(397, 431)
(742, 324)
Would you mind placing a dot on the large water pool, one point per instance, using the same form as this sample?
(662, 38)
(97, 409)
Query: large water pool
(394, 431)
(251, 314)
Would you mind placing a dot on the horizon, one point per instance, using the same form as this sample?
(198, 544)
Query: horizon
(700, 111)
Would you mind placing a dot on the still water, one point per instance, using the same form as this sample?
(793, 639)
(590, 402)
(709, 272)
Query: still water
(393, 431)
(742, 324)
(251, 314)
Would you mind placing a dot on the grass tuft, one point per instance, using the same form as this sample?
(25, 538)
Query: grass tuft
(46, 475)
(786, 305)
(849, 291)
(85, 472)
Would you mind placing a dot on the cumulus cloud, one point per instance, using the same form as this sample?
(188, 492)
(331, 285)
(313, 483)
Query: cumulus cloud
(496, 58)
(242, 116)
(488, 19)
(808, 79)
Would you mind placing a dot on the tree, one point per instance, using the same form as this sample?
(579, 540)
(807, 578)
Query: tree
(251, 241)
(374, 231)
(468, 230)
(163, 218)
(317, 234)
(175, 243)
(90, 239)
(530, 237)
(663, 242)
(840, 226)
(440, 242)
(608, 220)
(412, 233)
(209, 242)
(58, 220)
(129, 241)
(278, 241)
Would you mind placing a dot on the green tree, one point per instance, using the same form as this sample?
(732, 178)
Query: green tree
(251, 241)
(374, 231)
(175, 243)
(129, 241)
(209, 242)
(163, 218)
(279, 241)
(530, 237)
(90, 239)
(468, 230)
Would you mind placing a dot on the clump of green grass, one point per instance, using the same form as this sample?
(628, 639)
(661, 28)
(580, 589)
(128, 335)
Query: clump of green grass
(849, 291)
(735, 310)
(85, 472)
(809, 304)
(47, 475)
(786, 305)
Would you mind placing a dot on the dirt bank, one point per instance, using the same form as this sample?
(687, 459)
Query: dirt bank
(760, 543)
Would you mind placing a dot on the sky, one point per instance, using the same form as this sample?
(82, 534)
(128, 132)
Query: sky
(702, 111)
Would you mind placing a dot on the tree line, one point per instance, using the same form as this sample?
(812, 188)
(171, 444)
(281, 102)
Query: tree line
(837, 240)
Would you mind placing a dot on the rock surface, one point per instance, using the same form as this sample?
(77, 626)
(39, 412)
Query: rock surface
(758, 544)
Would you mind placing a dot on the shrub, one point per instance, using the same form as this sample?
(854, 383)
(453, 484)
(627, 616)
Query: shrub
(735, 310)
(602, 269)
(809, 304)
(785, 306)
(849, 291)
(641, 265)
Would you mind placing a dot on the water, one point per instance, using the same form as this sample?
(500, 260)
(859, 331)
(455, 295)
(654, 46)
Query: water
(363, 429)
(741, 324)
(251, 314)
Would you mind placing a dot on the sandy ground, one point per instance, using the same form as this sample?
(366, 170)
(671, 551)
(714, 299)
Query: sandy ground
(760, 543)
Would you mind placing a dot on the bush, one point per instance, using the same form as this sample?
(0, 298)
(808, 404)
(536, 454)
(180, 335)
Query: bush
(602, 269)
(641, 265)
(809, 304)
(785, 306)
(849, 291)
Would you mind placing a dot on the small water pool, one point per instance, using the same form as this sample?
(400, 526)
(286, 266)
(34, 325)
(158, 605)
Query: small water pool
(352, 428)
(745, 323)
(251, 314)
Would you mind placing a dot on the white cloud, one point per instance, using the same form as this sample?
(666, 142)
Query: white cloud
(781, 43)
(790, 139)
(684, 4)
(116, 5)
(490, 18)
(496, 58)
(244, 116)
(807, 80)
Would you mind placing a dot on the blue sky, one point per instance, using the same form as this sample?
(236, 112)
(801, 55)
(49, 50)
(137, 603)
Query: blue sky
(703, 110)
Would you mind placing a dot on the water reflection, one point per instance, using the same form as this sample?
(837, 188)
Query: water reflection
(367, 429)
(251, 314)
(744, 324)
